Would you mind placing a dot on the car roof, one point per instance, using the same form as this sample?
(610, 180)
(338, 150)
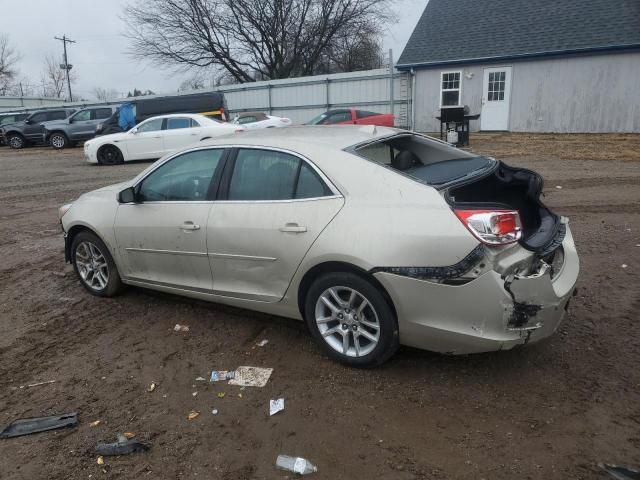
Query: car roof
(336, 137)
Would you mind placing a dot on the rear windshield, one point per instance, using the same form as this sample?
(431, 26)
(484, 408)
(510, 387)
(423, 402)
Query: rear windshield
(424, 159)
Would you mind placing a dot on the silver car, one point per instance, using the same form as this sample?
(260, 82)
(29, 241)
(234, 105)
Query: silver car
(374, 236)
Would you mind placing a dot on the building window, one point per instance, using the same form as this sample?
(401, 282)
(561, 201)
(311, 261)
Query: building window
(450, 89)
(496, 86)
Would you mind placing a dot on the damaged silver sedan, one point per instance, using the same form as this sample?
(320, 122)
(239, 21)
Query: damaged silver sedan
(374, 236)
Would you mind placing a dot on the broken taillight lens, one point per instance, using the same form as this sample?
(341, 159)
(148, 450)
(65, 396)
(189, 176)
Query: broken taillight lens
(493, 227)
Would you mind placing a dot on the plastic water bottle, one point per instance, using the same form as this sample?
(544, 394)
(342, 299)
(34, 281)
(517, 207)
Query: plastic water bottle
(295, 464)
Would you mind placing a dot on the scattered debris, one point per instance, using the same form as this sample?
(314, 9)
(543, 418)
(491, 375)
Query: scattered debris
(100, 460)
(295, 464)
(37, 384)
(28, 426)
(95, 424)
(276, 406)
(221, 375)
(181, 328)
(251, 376)
(559, 187)
(619, 472)
(214, 411)
(129, 435)
(201, 379)
(122, 447)
(194, 394)
(193, 414)
(262, 342)
(221, 394)
(624, 265)
(152, 387)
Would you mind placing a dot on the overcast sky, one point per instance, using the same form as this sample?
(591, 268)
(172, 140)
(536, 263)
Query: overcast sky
(99, 56)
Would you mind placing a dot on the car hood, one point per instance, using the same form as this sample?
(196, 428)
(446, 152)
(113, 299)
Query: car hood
(109, 138)
(107, 191)
(54, 123)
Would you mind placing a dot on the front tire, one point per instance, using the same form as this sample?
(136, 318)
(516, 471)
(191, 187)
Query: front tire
(94, 265)
(351, 320)
(110, 155)
(58, 141)
(16, 141)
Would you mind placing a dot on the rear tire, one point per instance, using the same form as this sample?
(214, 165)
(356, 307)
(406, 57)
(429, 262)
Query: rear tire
(58, 141)
(110, 155)
(94, 265)
(351, 320)
(16, 141)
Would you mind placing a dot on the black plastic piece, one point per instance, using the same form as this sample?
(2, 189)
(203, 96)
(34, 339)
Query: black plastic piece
(122, 447)
(28, 426)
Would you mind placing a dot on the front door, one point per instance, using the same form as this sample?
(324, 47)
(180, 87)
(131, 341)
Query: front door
(496, 97)
(162, 238)
(274, 206)
(145, 141)
(179, 132)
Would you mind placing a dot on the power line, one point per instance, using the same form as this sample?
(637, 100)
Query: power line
(65, 66)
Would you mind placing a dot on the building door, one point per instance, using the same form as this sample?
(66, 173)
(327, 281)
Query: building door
(496, 96)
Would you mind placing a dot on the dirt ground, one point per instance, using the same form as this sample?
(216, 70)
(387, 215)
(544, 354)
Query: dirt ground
(549, 411)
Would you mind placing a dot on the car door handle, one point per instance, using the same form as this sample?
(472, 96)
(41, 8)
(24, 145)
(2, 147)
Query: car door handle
(189, 226)
(293, 228)
(158, 136)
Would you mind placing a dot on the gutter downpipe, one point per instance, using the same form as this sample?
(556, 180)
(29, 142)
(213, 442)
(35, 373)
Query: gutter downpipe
(413, 99)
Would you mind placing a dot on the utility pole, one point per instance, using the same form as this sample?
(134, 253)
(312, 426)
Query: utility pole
(65, 66)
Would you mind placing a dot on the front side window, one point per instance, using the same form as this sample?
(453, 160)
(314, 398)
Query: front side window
(365, 114)
(248, 119)
(337, 117)
(184, 178)
(38, 117)
(450, 89)
(178, 122)
(151, 125)
(270, 175)
(82, 116)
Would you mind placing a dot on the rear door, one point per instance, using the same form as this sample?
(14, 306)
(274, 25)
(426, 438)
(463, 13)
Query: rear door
(273, 206)
(162, 238)
(145, 141)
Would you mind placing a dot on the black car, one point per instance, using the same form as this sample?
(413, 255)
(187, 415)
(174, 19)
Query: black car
(209, 104)
(30, 130)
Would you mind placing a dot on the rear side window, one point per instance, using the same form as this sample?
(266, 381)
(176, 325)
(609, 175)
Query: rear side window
(57, 115)
(100, 113)
(249, 119)
(270, 175)
(179, 122)
(184, 178)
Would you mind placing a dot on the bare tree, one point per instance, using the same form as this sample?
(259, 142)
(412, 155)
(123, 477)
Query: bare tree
(8, 59)
(54, 77)
(105, 95)
(248, 39)
(194, 82)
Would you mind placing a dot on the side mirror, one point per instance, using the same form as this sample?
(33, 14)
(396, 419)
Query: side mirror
(133, 130)
(28, 121)
(69, 120)
(128, 195)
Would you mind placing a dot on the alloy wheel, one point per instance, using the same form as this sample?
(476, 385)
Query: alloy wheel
(92, 266)
(15, 142)
(347, 321)
(57, 141)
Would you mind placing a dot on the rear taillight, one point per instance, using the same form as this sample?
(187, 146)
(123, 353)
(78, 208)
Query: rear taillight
(493, 227)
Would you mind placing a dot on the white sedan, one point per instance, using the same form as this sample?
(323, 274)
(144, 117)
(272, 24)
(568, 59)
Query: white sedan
(154, 138)
(256, 120)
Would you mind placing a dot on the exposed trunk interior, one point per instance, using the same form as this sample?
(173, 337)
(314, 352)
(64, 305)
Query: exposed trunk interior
(517, 189)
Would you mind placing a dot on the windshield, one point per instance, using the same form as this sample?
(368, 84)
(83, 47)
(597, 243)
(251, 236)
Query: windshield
(317, 120)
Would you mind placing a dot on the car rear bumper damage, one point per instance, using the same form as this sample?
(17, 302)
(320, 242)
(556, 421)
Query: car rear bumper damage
(498, 310)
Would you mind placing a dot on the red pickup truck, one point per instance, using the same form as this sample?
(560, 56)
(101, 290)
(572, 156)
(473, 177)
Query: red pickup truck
(351, 116)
